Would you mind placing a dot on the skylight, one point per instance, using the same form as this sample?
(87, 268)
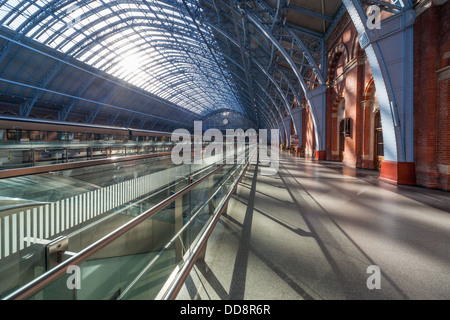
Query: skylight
(150, 44)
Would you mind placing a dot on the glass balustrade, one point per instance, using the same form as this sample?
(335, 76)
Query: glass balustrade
(29, 154)
(86, 204)
(137, 264)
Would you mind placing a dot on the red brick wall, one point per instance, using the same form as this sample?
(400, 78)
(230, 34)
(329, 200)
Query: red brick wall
(443, 127)
(431, 98)
(347, 76)
(367, 158)
(431, 104)
(308, 134)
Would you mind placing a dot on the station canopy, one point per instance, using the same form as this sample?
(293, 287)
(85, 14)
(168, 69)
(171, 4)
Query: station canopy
(255, 58)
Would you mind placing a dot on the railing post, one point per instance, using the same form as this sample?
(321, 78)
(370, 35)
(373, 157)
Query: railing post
(33, 157)
(179, 223)
(54, 251)
(202, 254)
(211, 192)
(178, 226)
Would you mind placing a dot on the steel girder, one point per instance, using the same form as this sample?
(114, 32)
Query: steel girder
(267, 66)
(189, 49)
(19, 84)
(51, 19)
(248, 105)
(267, 23)
(256, 96)
(289, 72)
(91, 74)
(393, 6)
(389, 51)
(40, 17)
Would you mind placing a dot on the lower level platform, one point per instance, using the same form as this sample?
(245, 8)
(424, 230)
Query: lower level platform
(312, 231)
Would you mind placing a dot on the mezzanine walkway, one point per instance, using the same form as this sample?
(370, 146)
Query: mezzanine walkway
(312, 230)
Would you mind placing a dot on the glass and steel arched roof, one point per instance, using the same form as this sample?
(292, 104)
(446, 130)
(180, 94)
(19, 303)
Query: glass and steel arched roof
(260, 58)
(150, 44)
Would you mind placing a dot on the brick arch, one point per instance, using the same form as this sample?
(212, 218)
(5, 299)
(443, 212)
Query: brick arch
(369, 90)
(336, 103)
(445, 59)
(357, 51)
(336, 53)
(335, 117)
(368, 122)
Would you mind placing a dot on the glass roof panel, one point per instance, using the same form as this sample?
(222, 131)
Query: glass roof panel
(150, 44)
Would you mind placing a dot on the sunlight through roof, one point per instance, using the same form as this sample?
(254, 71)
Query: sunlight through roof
(153, 45)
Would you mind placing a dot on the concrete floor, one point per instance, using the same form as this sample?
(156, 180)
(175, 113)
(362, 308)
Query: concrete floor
(312, 230)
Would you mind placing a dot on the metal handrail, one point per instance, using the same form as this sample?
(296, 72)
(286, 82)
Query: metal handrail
(180, 277)
(168, 187)
(176, 237)
(42, 281)
(74, 165)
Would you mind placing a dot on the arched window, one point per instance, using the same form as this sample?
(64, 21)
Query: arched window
(341, 128)
(379, 144)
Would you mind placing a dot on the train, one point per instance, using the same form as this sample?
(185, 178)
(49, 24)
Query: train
(14, 129)
(30, 141)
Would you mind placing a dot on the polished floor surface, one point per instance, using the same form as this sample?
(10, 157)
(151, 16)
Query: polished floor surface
(320, 231)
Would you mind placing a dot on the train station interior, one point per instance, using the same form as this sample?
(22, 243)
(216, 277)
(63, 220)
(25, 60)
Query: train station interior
(225, 150)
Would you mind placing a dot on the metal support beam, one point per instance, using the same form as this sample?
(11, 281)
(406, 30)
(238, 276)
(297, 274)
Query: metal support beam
(389, 51)
(310, 13)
